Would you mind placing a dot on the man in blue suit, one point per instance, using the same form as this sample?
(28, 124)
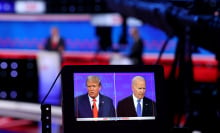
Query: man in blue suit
(85, 107)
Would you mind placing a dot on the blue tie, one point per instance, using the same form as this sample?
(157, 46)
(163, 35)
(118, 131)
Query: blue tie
(139, 114)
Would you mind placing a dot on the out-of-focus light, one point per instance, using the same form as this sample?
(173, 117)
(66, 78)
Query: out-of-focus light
(13, 94)
(131, 21)
(214, 93)
(197, 91)
(72, 9)
(14, 73)
(196, 131)
(3, 94)
(30, 6)
(14, 65)
(111, 19)
(6, 6)
(195, 113)
(30, 65)
(4, 65)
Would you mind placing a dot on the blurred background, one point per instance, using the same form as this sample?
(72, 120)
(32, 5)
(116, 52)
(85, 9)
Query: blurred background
(38, 37)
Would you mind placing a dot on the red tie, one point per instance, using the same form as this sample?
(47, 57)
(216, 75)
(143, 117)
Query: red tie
(94, 109)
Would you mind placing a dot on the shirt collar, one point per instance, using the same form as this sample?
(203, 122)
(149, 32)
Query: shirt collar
(91, 99)
(135, 98)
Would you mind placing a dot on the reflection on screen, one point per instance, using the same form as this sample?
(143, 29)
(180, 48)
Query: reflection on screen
(116, 86)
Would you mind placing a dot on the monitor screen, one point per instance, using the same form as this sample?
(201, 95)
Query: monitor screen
(116, 86)
(117, 90)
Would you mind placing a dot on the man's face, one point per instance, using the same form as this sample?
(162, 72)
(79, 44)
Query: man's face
(133, 32)
(54, 31)
(93, 88)
(139, 89)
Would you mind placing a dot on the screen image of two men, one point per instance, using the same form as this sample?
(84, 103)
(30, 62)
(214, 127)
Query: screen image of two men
(118, 102)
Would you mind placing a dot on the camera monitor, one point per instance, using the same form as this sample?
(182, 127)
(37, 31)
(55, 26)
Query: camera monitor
(115, 87)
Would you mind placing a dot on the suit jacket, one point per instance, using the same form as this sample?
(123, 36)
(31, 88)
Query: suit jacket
(126, 107)
(83, 107)
(136, 52)
(48, 45)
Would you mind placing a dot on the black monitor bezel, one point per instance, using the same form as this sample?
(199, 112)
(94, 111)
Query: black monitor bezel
(69, 124)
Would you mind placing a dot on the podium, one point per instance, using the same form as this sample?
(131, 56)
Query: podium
(49, 65)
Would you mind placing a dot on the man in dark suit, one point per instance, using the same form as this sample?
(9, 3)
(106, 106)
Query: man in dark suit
(55, 43)
(87, 104)
(128, 107)
(137, 47)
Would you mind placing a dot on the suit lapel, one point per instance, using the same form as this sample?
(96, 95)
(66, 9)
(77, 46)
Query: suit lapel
(87, 105)
(131, 108)
(101, 104)
(147, 107)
